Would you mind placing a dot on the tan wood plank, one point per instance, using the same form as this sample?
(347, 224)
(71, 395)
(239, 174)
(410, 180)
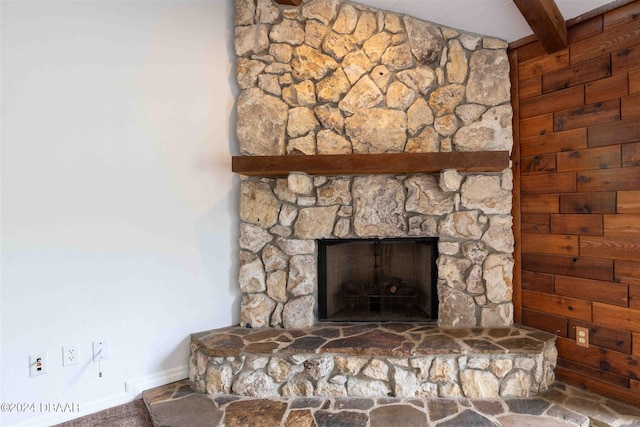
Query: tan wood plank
(634, 81)
(625, 60)
(549, 183)
(609, 179)
(588, 203)
(589, 268)
(630, 107)
(358, 164)
(585, 29)
(574, 139)
(538, 282)
(544, 163)
(585, 72)
(636, 344)
(546, 203)
(550, 244)
(593, 158)
(544, 64)
(601, 336)
(627, 272)
(546, 21)
(616, 317)
(578, 224)
(592, 290)
(634, 296)
(613, 87)
(545, 321)
(591, 372)
(628, 202)
(557, 305)
(624, 225)
(553, 101)
(631, 154)
(587, 115)
(614, 133)
(622, 15)
(535, 223)
(622, 248)
(530, 87)
(516, 295)
(528, 48)
(610, 40)
(536, 126)
(598, 387)
(615, 362)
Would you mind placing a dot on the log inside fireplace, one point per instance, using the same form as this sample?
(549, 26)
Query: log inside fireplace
(377, 279)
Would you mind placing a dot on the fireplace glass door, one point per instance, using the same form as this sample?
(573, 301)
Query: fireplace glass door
(377, 279)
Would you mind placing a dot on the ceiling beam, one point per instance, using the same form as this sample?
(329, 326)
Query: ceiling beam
(546, 21)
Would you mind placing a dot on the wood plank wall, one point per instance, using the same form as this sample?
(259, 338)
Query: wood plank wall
(577, 158)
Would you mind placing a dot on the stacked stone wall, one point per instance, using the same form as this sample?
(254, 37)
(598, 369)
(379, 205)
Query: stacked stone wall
(336, 77)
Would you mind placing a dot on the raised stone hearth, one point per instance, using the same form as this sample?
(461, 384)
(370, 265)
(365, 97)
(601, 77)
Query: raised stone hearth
(406, 360)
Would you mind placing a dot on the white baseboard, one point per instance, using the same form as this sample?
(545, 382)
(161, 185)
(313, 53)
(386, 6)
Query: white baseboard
(136, 386)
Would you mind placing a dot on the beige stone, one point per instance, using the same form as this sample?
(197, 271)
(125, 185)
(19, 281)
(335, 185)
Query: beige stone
(458, 64)
(315, 32)
(398, 57)
(489, 82)
(248, 72)
(245, 11)
(377, 130)
(446, 125)
(366, 27)
(426, 40)
(419, 115)
(338, 45)
(281, 52)
(254, 384)
(296, 246)
(377, 369)
(347, 19)
(253, 237)
(273, 258)
(301, 121)
(324, 11)
(445, 99)
(498, 276)
(456, 309)
(367, 388)
(270, 84)
(302, 145)
(400, 96)
(351, 365)
(499, 235)
(333, 87)
(425, 196)
(330, 118)
(381, 76)
(252, 277)
(376, 46)
(363, 95)
(425, 142)
(266, 12)
(355, 64)
(300, 183)
(453, 271)
(497, 315)
(299, 312)
(421, 79)
(315, 222)
(463, 224)
(378, 202)
(252, 39)
(218, 379)
(277, 285)
(484, 192)
(335, 192)
(256, 309)
(479, 384)
(258, 205)
(469, 113)
(288, 31)
(308, 63)
(516, 384)
(470, 41)
(450, 180)
(331, 143)
(261, 123)
(301, 280)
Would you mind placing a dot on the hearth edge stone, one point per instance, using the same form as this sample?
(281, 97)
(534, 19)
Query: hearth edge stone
(507, 362)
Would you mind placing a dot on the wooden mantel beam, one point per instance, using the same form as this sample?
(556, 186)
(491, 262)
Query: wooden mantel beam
(371, 164)
(546, 21)
(289, 2)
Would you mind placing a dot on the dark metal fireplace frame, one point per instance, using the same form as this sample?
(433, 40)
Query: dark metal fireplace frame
(392, 298)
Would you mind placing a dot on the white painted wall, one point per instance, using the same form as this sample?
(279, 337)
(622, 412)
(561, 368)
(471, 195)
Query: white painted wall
(118, 203)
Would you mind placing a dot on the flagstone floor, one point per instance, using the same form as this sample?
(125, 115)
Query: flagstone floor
(180, 405)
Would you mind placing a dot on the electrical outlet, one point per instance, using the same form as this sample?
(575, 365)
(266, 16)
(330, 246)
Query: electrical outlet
(70, 355)
(582, 336)
(100, 350)
(38, 364)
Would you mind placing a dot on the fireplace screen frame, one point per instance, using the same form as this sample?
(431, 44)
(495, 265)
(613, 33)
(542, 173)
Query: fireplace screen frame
(430, 243)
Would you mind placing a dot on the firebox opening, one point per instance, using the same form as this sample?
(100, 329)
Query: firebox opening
(377, 279)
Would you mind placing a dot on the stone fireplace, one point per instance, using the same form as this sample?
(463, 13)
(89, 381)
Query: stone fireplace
(333, 77)
(332, 83)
